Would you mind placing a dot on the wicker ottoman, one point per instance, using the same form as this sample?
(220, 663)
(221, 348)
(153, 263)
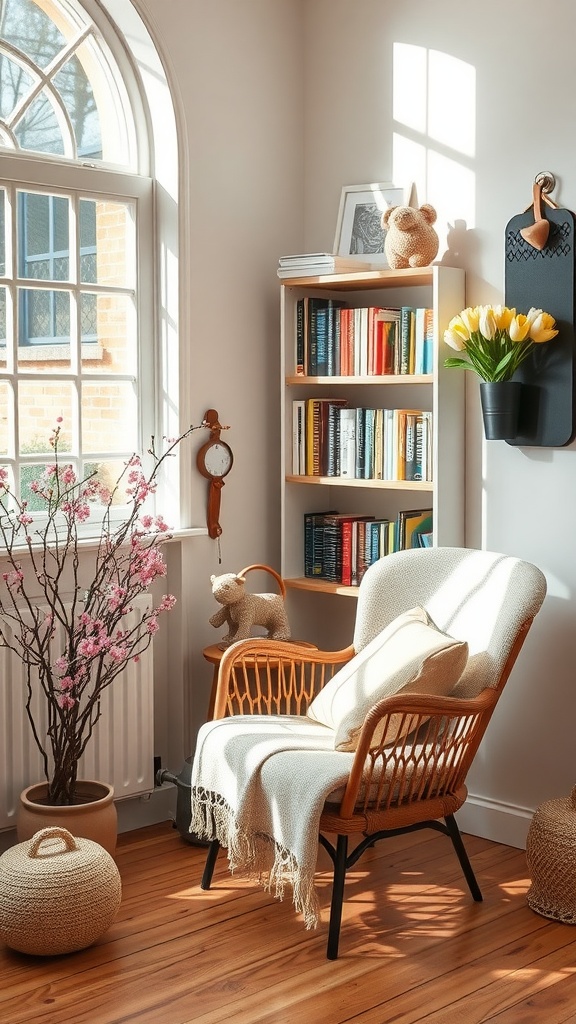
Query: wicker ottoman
(57, 893)
(551, 857)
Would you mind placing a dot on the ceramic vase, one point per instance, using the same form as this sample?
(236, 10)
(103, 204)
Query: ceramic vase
(93, 817)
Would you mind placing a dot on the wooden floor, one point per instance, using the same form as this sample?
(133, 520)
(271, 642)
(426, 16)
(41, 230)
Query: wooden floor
(414, 947)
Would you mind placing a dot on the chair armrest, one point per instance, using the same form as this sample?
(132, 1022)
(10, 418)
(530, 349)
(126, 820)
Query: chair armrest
(415, 745)
(262, 677)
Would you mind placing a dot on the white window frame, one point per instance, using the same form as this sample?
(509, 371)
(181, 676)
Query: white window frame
(21, 172)
(141, 74)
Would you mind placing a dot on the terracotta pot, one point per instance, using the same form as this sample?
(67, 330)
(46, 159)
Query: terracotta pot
(94, 817)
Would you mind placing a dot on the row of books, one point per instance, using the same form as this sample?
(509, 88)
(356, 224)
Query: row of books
(340, 547)
(331, 438)
(314, 263)
(336, 340)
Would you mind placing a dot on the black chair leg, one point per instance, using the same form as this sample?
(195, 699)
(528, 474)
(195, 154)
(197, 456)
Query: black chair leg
(465, 864)
(340, 858)
(210, 864)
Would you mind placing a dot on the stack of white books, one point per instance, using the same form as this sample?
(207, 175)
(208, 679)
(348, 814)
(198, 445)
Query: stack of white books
(315, 263)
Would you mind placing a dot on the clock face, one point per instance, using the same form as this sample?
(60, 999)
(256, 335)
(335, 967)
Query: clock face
(218, 459)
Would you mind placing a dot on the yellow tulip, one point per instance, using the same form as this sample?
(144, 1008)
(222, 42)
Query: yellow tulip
(470, 318)
(519, 328)
(454, 339)
(503, 316)
(542, 327)
(487, 322)
(458, 326)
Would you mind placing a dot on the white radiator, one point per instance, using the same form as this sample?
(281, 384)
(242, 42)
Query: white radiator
(121, 750)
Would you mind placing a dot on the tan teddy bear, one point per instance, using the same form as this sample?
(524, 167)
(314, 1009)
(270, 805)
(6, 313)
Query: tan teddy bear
(241, 610)
(410, 240)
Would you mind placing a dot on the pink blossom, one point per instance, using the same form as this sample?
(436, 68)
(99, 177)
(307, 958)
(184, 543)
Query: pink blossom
(25, 519)
(68, 475)
(61, 664)
(152, 626)
(117, 652)
(146, 521)
(167, 603)
(66, 683)
(65, 701)
(160, 524)
(116, 596)
(89, 648)
(13, 578)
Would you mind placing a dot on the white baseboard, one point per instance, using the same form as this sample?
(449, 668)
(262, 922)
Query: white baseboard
(160, 805)
(502, 823)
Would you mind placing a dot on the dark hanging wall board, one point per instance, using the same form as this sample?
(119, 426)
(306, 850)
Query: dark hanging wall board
(544, 279)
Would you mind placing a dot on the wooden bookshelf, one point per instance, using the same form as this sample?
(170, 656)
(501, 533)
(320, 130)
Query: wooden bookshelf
(441, 392)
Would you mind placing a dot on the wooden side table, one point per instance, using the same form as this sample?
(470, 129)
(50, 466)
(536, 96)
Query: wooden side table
(213, 654)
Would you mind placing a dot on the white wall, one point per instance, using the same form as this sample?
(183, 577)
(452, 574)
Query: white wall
(282, 102)
(236, 70)
(483, 147)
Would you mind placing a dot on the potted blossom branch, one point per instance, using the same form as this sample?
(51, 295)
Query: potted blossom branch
(88, 600)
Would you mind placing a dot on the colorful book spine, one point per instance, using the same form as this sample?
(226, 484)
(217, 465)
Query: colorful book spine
(300, 365)
(360, 445)
(429, 341)
(406, 338)
(347, 440)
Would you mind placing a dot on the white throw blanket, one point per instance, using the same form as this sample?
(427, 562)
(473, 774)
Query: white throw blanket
(259, 784)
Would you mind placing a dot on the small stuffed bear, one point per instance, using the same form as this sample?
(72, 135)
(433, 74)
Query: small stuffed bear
(241, 610)
(410, 240)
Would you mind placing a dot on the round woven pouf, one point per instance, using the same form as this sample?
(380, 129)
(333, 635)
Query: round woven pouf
(57, 893)
(551, 857)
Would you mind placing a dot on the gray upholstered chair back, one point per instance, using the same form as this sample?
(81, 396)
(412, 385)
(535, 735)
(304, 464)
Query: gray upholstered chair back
(479, 596)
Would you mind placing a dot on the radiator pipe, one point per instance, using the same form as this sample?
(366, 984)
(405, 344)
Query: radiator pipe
(183, 809)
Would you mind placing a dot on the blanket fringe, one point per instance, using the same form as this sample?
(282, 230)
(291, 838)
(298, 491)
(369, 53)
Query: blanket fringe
(254, 854)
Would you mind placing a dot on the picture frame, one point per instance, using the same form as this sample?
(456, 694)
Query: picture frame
(359, 234)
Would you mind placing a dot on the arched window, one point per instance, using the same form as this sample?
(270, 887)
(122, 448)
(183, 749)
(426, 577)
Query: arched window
(76, 255)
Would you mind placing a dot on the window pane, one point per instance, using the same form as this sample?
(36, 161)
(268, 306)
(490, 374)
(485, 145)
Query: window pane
(43, 236)
(6, 399)
(3, 328)
(109, 417)
(109, 320)
(14, 83)
(40, 403)
(44, 319)
(38, 130)
(108, 472)
(78, 97)
(2, 232)
(26, 25)
(107, 243)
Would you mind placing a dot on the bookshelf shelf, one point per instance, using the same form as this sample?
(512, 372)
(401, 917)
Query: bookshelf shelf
(441, 393)
(320, 586)
(404, 380)
(338, 481)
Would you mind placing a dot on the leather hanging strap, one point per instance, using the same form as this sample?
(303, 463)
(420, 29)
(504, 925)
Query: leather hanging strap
(536, 234)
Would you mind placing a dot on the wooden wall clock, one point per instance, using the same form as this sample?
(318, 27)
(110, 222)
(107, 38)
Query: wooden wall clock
(214, 461)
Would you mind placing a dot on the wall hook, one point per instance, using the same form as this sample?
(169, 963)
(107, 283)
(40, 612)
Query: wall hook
(546, 180)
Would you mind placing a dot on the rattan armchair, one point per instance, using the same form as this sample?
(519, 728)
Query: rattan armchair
(417, 781)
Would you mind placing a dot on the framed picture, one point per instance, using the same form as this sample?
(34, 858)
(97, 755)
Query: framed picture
(358, 229)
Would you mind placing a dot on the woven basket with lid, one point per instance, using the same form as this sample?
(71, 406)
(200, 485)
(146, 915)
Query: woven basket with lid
(58, 893)
(551, 857)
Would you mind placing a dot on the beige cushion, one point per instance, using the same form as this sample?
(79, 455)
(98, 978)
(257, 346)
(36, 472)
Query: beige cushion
(410, 656)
